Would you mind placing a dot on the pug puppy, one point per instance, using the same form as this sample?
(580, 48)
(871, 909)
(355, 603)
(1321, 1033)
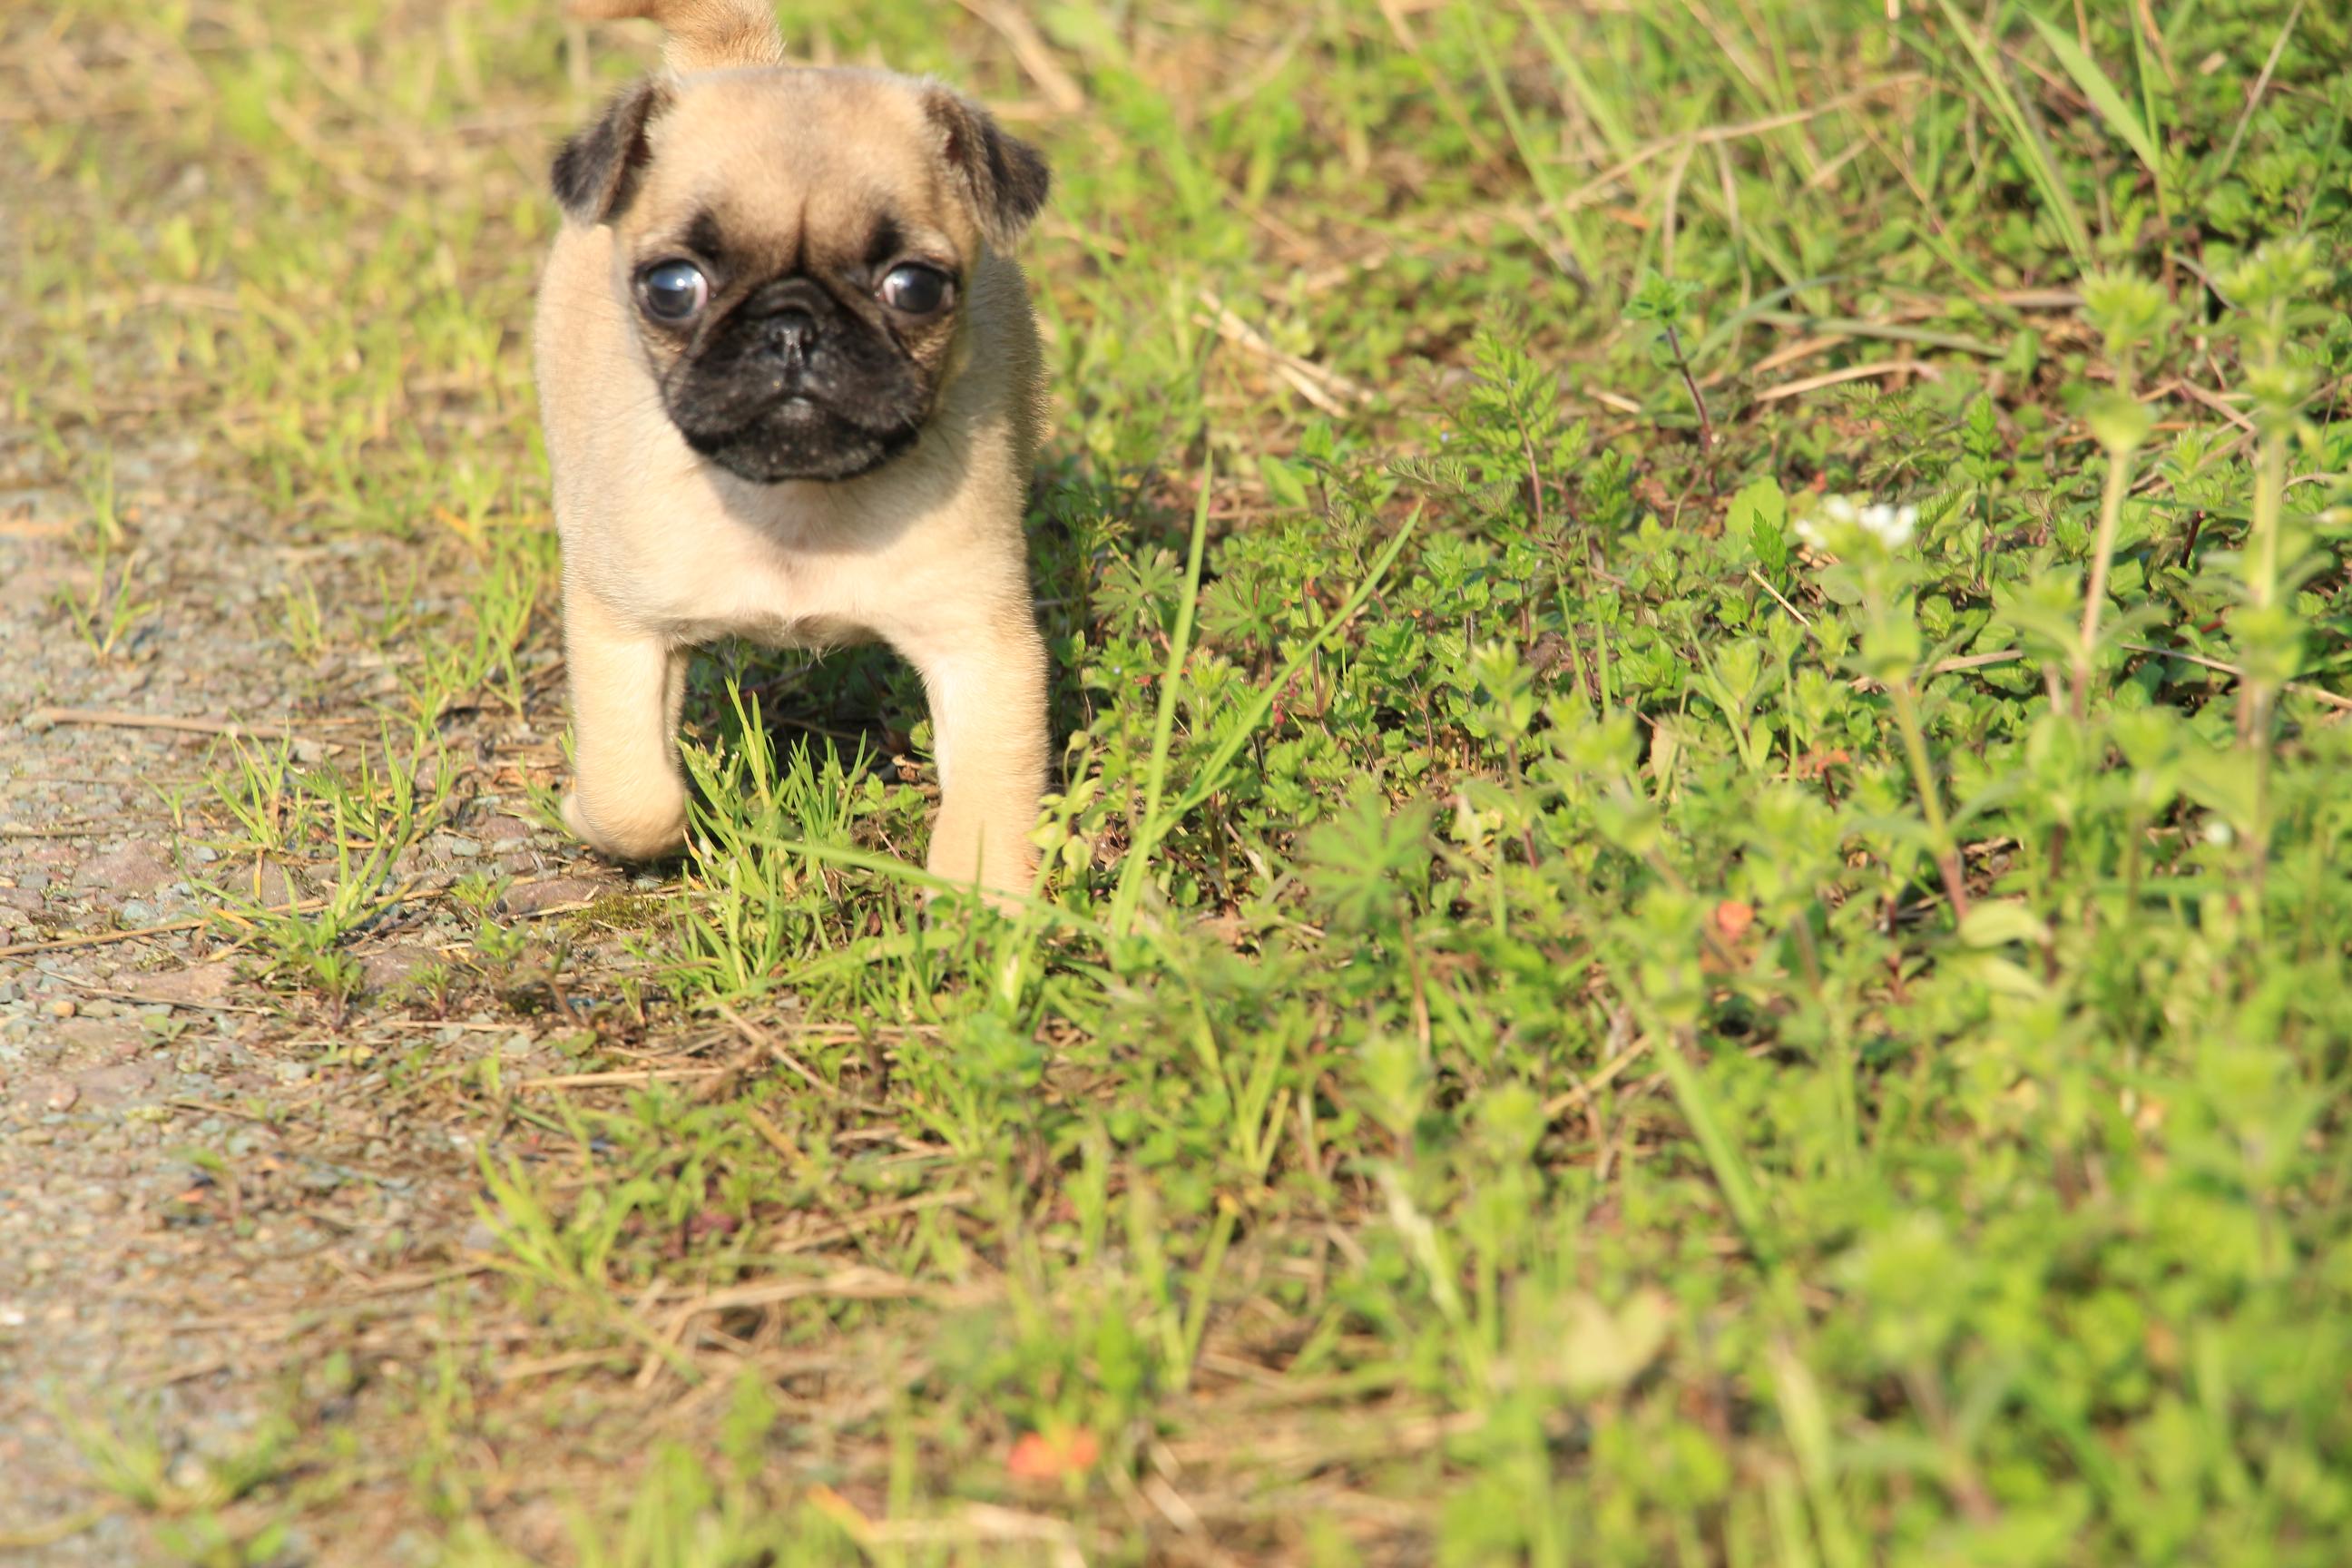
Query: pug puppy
(791, 390)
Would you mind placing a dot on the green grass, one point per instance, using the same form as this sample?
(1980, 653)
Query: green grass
(1590, 1006)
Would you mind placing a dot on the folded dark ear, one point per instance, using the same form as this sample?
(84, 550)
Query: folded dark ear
(1007, 178)
(596, 171)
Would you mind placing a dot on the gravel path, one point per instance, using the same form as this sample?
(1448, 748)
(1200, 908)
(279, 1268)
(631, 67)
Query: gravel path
(208, 1184)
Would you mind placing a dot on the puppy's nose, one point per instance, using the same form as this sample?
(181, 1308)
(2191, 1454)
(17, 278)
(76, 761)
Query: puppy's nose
(791, 333)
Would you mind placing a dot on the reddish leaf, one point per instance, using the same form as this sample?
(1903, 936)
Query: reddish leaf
(1038, 1457)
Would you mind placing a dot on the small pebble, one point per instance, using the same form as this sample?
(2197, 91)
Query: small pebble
(63, 1007)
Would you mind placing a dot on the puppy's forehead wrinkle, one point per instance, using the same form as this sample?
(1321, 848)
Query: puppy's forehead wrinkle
(804, 160)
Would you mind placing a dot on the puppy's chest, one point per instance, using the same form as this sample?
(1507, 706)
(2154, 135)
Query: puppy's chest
(701, 589)
(698, 572)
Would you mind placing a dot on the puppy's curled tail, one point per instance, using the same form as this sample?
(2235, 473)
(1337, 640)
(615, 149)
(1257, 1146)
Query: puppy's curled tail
(704, 35)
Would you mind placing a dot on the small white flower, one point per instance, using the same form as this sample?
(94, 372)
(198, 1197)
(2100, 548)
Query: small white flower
(1893, 525)
(2218, 834)
(1831, 521)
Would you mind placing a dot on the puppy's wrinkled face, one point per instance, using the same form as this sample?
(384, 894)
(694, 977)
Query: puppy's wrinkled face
(793, 248)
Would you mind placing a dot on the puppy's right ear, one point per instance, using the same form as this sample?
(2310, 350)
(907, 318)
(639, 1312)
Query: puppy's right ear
(597, 171)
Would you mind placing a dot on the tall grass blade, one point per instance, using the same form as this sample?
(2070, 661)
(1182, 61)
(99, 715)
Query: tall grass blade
(2039, 165)
(1144, 837)
(2108, 100)
(1540, 173)
(1605, 118)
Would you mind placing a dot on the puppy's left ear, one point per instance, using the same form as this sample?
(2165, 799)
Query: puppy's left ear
(1006, 178)
(597, 171)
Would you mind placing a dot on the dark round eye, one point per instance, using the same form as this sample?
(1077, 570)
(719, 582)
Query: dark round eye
(673, 291)
(916, 289)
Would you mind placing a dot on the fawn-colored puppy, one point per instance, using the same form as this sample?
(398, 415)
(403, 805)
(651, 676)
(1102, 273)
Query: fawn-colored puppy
(791, 389)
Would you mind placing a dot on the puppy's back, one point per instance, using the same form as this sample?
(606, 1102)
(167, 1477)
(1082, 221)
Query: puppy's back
(704, 35)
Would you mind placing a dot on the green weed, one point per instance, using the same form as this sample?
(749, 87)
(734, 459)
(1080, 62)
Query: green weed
(106, 614)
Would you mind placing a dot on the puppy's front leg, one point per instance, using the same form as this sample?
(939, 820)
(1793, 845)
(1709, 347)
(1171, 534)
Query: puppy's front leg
(629, 800)
(987, 690)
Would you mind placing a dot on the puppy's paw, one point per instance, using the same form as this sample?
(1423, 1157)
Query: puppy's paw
(1003, 883)
(1006, 901)
(627, 836)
